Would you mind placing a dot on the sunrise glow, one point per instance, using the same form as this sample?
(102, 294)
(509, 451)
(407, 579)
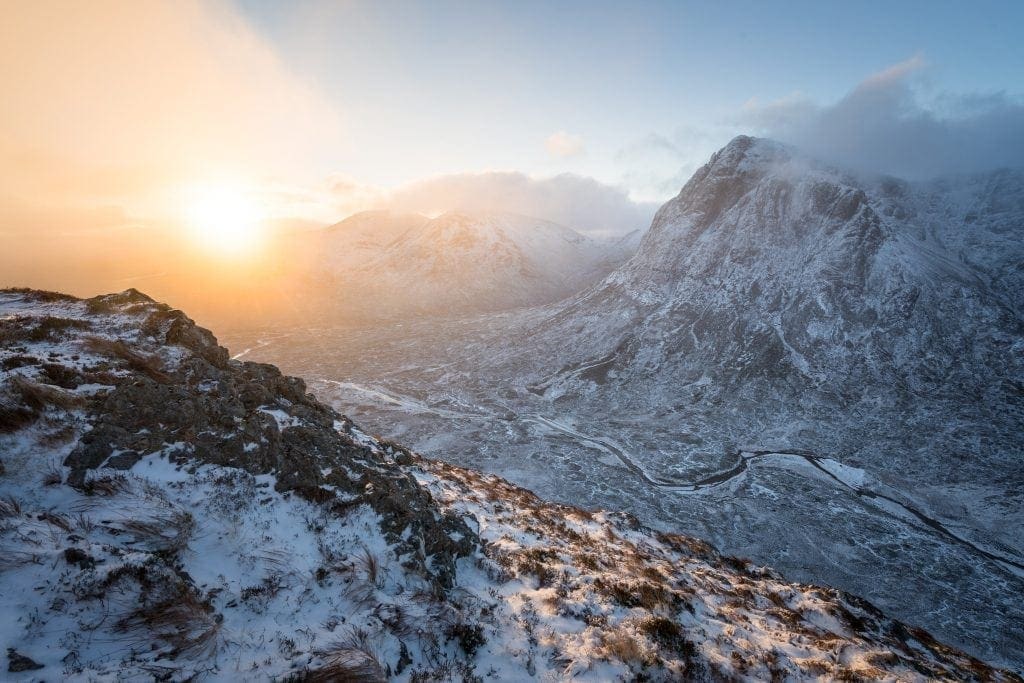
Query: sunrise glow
(511, 341)
(223, 219)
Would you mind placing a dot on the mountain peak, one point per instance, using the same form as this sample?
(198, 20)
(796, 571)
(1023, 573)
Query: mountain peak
(745, 151)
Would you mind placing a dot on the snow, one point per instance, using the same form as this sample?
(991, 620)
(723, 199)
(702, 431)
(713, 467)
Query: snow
(184, 568)
(780, 304)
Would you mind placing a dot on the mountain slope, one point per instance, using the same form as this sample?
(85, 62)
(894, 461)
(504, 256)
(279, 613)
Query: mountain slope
(457, 262)
(169, 513)
(362, 237)
(813, 368)
(791, 288)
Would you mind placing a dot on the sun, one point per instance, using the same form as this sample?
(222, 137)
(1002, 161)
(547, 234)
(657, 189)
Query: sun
(224, 218)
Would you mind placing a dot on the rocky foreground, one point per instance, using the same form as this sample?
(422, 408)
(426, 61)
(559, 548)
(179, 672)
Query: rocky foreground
(168, 513)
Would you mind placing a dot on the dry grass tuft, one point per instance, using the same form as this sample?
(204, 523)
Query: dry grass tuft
(168, 532)
(9, 507)
(54, 475)
(370, 565)
(84, 523)
(14, 415)
(625, 647)
(151, 366)
(38, 396)
(12, 559)
(189, 625)
(350, 658)
(106, 485)
(58, 520)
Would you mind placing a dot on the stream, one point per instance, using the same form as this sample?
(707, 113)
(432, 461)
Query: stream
(825, 465)
(832, 469)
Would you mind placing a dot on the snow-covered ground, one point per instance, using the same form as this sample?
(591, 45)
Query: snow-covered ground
(868, 327)
(310, 550)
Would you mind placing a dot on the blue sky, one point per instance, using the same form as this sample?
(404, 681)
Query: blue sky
(443, 87)
(586, 113)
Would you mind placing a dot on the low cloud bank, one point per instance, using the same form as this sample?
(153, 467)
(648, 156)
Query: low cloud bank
(579, 202)
(882, 125)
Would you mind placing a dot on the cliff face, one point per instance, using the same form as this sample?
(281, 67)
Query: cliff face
(771, 270)
(168, 512)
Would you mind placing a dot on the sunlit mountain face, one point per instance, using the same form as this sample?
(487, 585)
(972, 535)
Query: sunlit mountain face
(413, 342)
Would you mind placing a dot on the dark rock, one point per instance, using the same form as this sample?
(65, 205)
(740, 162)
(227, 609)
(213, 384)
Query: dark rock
(19, 662)
(123, 461)
(225, 415)
(174, 327)
(78, 557)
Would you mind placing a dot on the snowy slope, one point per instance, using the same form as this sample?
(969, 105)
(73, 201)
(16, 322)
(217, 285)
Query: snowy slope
(458, 262)
(362, 237)
(777, 305)
(166, 512)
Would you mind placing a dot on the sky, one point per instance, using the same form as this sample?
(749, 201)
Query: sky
(591, 87)
(117, 114)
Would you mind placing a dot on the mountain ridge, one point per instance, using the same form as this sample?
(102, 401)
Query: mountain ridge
(190, 503)
(456, 262)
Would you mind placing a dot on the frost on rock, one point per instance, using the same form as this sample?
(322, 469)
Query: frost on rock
(168, 513)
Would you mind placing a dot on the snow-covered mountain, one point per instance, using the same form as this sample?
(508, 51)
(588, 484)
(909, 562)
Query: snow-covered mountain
(819, 369)
(362, 238)
(168, 513)
(777, 266)
(794, 290)
(456, 262)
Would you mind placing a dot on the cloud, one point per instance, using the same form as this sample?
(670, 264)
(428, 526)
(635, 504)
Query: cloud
(563, 145)
(882, 125)
(579, 202)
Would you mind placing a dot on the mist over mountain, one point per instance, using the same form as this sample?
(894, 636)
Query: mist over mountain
(885, 124)
(382, 263)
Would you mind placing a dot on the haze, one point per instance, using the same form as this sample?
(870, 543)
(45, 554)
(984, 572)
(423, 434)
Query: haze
(122, 120)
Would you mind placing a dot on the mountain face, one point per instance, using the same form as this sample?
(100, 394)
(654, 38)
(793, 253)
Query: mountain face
(456, 263)
(168, 513)
(819, 370)
(363, 237)
(788, 290)
(780, 268)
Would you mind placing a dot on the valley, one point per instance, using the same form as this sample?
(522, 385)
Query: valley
(812, 517)
(803, 365)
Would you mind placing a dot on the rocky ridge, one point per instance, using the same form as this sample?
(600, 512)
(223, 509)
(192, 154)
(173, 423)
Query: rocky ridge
(168, 512)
